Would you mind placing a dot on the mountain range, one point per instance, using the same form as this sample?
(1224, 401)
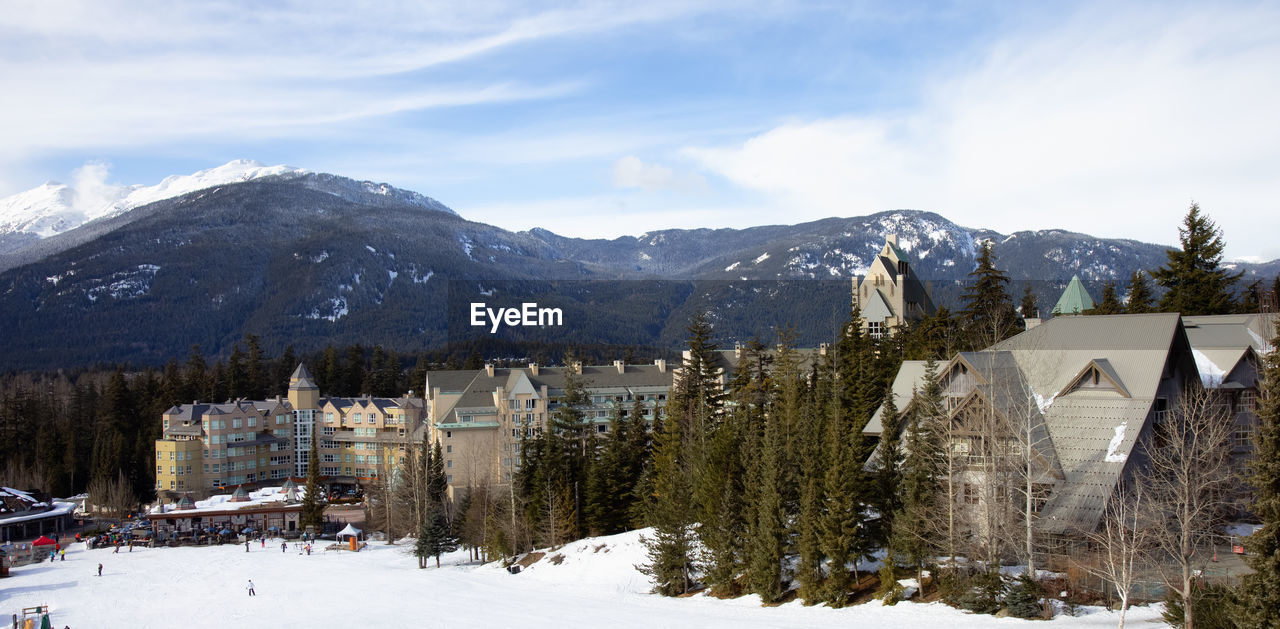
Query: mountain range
(310, 259)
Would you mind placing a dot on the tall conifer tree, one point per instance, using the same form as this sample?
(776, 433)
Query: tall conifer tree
(988, 314)
(1193, 277)
(1260, 595)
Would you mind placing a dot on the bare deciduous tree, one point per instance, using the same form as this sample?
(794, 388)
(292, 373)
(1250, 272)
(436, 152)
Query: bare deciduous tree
(1186, 481)
(1121, 539)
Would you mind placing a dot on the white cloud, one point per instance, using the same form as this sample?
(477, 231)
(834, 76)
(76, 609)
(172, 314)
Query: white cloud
(91, 190)
(631, 172)
(119, 75)
(1100, 125)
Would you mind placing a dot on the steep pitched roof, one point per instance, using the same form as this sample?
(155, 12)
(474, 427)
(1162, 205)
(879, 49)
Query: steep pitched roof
(1074, 300)
(301, 372)
(877, 308)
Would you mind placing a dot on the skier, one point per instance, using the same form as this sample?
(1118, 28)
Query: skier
(251, 592)
(99, 569)
(284, 546)
(246, 546)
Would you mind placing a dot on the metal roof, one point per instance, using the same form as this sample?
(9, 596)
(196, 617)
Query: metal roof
(1074, 300)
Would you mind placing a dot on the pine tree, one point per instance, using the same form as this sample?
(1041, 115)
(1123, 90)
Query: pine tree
(767, 542)
(1138, 297)
(1110, 303)
(312, 502)
(437, 480)
(914, 537)
(435, 538)
(255, 370)
(1260, 594)
(1193, 277)
(1028, 308)
(670, 550)
(1251, 298)
(847, 488)
(237, 379)
(812, 462)
(888, 463)
(988, 314)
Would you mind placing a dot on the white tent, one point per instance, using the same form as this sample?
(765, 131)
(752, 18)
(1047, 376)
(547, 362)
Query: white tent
(350, 531)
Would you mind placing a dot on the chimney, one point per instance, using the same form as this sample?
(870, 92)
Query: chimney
(577, 367)
(892, 239)
(488, 369)
(533, 368)
(662, 364)
(737, 350)
(620, 366)
(822, 349)
(1032, 322)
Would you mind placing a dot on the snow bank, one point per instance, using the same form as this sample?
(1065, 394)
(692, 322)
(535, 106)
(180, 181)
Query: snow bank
(594, 584)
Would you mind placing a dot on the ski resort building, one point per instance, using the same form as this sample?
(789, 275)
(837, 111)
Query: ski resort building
(480, 416)
(206, 447)
(1088, 393)
(890, 294)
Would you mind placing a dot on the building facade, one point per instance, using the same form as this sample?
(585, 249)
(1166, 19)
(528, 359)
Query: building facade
(1087, 394)
(890, 295)
(480, 416)
(207, 447)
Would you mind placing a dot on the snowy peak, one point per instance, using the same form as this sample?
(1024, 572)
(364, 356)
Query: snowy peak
(43, 211)
(53, 208)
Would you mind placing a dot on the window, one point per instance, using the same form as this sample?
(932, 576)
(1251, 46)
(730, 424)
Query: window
(448, 463)
(252, 421)
(1242, 436)
(448, 434)
(970, 494)
(279, 419)
(235, 422)
(356, 418)
(875, 329)
(172, 455)
(159, 469)
(449, 448)
(159, 456)
(1248, 402)
(528, 404)
(449, 478)
(327, 430)
(602, 428)
(328, 417)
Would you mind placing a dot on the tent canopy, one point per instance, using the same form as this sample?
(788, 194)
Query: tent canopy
(349, 531)
(43, 541)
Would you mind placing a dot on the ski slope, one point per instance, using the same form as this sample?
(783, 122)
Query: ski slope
(595, 584)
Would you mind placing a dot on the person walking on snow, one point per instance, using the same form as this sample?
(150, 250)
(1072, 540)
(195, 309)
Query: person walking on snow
(99, 569)
(284, 546)
(251, 593)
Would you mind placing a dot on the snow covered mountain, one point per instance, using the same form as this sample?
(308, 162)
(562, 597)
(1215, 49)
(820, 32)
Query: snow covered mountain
(53, 208)
(310, 259)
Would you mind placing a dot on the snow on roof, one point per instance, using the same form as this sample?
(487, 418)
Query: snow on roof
(267, 496)
(1210, 374)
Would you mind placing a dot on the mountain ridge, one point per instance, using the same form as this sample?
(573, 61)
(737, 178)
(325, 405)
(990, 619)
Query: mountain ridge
(310, 259)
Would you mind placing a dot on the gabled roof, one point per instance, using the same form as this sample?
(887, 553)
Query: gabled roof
(1074, 300)
(1104, 369)
(910, 377)
(877, 308)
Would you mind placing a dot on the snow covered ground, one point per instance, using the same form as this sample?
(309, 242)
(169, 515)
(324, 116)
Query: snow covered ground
(595, 584)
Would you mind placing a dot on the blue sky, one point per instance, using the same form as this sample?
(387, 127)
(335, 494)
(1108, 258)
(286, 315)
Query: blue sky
(599, 118)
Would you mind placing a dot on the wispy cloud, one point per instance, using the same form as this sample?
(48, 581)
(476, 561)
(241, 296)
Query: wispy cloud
(104, 74)
(1108, 124)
